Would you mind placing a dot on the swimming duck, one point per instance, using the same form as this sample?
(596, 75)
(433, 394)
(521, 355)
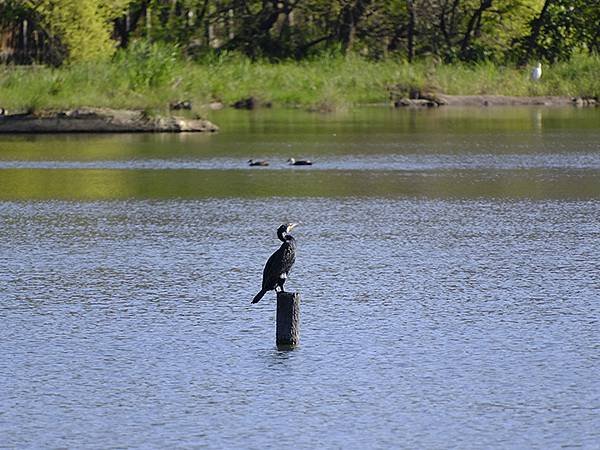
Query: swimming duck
(300, 162)
(251, 162)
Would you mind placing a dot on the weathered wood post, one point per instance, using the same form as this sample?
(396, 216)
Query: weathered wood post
(288, 319)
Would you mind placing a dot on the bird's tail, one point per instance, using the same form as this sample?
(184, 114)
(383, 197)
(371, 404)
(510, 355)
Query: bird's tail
(259, 296)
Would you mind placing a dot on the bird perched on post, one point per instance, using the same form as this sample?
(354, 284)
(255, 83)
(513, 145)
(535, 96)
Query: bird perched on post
(536, 73)
(280, 263)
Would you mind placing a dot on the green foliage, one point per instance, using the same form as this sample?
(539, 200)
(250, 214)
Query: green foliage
(11, 12)
(148, 65)
(83, 27)
(326, 83)
(457, 30)
(562, 28)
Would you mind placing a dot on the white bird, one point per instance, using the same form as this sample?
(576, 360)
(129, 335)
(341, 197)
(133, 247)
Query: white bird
(536, 73)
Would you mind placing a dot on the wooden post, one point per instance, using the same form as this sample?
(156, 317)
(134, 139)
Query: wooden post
(288, 319)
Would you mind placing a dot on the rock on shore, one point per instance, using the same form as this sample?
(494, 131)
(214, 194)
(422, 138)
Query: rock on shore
(100, 120)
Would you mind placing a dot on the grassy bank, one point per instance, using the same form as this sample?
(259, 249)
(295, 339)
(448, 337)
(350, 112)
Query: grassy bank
(151, 77)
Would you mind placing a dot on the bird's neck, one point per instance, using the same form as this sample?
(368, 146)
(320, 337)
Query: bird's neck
(287, 238)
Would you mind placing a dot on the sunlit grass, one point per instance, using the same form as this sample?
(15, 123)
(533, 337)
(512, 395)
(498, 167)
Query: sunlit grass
(149, 77)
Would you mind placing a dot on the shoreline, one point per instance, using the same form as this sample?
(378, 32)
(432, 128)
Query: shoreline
(442, 100)
(107, 120)
(100, 120)
(320, 85)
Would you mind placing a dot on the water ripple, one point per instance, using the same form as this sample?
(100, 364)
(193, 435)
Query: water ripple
(128, 324)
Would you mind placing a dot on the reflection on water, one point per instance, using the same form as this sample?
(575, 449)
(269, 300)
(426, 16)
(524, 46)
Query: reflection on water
(448, 283)
(74, 184)
(512, 152)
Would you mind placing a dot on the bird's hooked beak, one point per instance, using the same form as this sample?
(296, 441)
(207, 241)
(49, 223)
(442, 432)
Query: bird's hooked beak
(291, 226)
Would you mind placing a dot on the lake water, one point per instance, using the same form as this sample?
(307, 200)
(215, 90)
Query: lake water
(448, 265)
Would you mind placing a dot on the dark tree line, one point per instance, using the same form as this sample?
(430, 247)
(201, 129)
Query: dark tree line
(450, 30)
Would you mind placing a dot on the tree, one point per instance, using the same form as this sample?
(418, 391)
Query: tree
(449, 30)
(560, 28)
(83, 26)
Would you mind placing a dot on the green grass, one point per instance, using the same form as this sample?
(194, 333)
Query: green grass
(150, 76)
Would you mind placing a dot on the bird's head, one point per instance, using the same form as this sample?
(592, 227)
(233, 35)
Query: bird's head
(288, 227)
(284, 229)
(291, 160)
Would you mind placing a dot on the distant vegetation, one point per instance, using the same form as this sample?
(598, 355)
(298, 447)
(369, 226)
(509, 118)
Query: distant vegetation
(152, 76)
(310, 53)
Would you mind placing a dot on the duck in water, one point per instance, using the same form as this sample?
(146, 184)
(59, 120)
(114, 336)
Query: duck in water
(300, 162)
(251, 162)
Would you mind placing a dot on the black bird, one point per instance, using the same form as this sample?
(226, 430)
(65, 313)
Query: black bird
(280, 263)
(251, 162)
(300, 162)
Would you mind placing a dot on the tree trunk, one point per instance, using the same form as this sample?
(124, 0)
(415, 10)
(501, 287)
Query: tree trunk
(472, 26)
(410, 32)
(536, 27)
(349, 18)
